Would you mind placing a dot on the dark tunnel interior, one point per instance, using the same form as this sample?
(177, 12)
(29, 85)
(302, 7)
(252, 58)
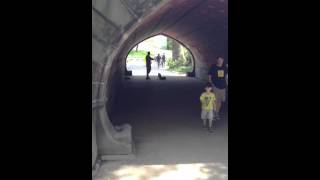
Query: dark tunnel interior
(201, 26)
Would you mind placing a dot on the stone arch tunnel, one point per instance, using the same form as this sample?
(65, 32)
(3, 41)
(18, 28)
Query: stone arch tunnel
(118, 25)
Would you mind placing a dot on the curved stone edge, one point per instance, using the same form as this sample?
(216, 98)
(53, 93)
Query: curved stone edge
(112, 140)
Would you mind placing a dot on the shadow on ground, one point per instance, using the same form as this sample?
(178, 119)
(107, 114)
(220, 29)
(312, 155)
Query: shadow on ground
(196, 171)
(170, 143)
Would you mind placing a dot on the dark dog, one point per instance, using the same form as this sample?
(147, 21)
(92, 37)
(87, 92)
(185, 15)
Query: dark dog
(161, 77)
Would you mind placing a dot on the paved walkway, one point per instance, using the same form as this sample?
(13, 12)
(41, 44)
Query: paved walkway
(138, 68)
(169, 140)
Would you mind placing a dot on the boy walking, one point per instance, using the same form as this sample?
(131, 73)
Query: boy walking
(208, 106)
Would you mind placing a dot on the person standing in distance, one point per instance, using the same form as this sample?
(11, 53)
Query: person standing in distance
(163, 61)
(148, 64)
(158, 59)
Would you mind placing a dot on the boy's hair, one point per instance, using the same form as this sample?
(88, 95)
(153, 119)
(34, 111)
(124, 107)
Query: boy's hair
(208, 85)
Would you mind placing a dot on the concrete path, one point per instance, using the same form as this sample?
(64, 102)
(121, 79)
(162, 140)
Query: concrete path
(138, 68)
(169, 140)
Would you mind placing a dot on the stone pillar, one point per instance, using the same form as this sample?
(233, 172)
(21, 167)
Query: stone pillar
(113, 142)
(94, 142)
(175, 50)
(110, 20)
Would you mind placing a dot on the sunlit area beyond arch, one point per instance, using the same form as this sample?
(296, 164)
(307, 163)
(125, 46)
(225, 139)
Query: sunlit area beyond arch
(187, 171)
(171, 58)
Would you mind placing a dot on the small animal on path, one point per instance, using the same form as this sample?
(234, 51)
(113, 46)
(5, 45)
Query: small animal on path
(161, 77)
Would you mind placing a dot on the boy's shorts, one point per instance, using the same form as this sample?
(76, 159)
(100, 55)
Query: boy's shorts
(205, 114)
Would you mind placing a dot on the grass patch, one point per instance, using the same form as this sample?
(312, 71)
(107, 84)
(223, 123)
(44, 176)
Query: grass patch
(137, 54)
(181, 69)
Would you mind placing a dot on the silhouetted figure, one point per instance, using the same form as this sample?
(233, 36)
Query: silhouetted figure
(148, 64)
(163, 60)
(158, 59)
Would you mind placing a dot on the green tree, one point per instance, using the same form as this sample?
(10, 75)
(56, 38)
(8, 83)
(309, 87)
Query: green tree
(169, 43)
(175, 50)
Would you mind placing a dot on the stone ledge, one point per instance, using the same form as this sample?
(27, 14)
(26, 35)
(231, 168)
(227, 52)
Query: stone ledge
(117, 157)
(96, 167)
(99, 103)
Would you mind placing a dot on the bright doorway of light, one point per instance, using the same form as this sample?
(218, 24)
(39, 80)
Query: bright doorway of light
(171, 58)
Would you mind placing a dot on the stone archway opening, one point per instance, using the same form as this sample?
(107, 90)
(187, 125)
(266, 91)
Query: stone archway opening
(171, 57)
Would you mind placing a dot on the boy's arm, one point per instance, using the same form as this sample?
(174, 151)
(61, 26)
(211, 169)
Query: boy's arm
(214, 106)
(201, 98)
(214, 103)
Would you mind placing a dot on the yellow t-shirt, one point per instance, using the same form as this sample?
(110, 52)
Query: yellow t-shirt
(207, 101)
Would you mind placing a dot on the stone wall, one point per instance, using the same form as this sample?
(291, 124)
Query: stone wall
(111, 19)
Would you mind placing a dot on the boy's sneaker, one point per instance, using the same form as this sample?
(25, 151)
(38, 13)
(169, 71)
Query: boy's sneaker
(210, 129)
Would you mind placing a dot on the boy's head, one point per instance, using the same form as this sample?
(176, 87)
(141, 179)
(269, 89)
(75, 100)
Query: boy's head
(220, 61)
(208, 87)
